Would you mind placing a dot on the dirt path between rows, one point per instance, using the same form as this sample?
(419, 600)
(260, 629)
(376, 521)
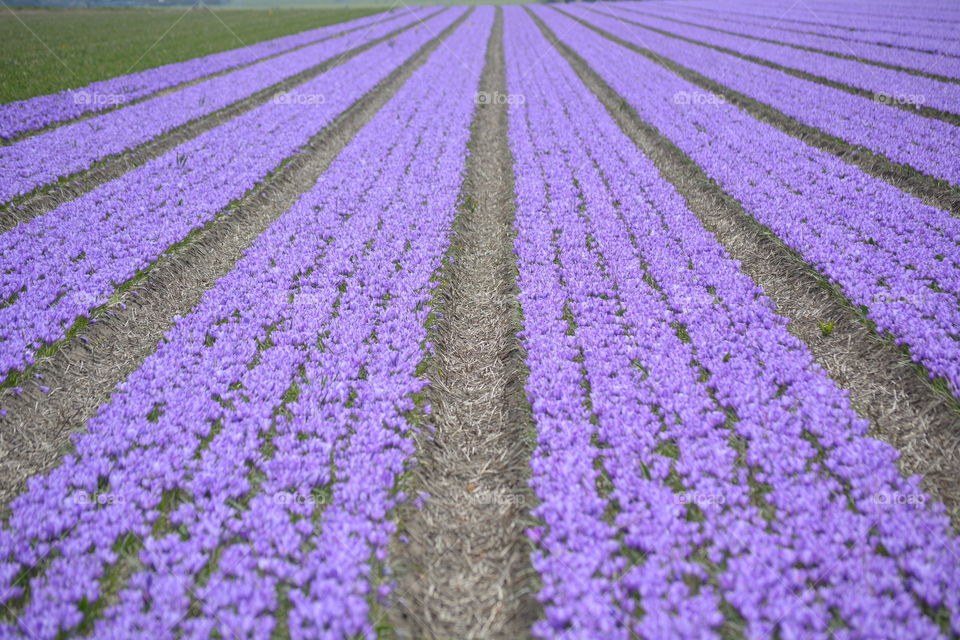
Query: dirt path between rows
(933, 191)
(47, 198)
(81, 375)
(903, 409)
(465, 571)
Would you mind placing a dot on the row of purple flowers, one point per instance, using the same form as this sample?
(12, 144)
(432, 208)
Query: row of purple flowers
(44, 158)
(909, 58)
(60, 266)
(877, 28)
(929, 146)
(890, 254)
(944, 96)
(22, 116)
(700, 476)
(239, 483)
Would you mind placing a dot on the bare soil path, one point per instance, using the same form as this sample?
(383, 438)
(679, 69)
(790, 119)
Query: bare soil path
(465, 571)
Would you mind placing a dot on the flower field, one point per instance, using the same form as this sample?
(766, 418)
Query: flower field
(707, 257)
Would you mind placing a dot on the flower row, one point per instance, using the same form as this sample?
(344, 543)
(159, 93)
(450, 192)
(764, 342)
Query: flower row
(43, 158)
(239, 483)
(944, 96)
(97, 242)
(929, 146)
(699, 475)
(23, 116)
(933, 63)
(918, 39)
(890, 254)
(902, 26)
